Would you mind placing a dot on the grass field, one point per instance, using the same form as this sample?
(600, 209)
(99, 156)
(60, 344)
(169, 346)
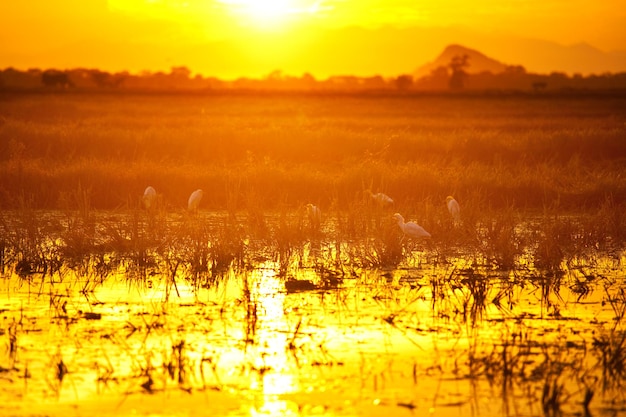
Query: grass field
(283, 151)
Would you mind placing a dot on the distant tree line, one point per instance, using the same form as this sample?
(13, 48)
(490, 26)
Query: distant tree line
(453, 77)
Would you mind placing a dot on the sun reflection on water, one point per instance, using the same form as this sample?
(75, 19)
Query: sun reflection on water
(275, 338)
(277, 376)
(272, 406)
(396, 340)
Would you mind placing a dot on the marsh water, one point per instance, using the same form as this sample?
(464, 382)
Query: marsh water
(177, 325)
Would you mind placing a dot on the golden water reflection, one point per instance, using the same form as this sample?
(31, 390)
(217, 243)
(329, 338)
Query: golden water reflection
(443, 340)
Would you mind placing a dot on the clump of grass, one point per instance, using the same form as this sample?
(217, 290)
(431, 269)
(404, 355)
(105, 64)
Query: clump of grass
(28, 242)
(500, 238)
(352, 222)
(610, 224)
(449, 235)
(474, 304)
(288, 238)
(228, 247)
(81, 237)
(385, 249)
(440, 287)
(132, 236)
(194, 240)
(554, 244)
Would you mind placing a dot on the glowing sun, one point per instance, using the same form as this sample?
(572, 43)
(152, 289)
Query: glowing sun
(266, 11)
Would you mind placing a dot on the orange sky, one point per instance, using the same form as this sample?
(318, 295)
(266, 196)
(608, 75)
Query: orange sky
(230, 38)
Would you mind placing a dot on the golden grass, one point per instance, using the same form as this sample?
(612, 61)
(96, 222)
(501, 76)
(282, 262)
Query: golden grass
(285, 151)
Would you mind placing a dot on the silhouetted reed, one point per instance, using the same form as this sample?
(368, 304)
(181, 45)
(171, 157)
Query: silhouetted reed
(610, 347)
(554, 244)
(29, 242)
(500, 239)
(58, 373)
(204, 246)
(228, 247)
(475, 301)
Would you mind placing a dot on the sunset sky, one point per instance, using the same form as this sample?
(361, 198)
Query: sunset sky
(231, 38)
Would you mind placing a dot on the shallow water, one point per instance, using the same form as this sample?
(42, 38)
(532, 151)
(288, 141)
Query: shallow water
(292, 335)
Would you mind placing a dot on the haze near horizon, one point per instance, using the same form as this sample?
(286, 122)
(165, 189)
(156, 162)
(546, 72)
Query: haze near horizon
(235, 38)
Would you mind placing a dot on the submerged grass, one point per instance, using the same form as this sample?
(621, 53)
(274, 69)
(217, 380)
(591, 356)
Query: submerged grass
(202, 246)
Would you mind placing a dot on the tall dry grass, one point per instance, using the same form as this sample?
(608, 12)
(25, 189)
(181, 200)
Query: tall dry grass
(288, 150)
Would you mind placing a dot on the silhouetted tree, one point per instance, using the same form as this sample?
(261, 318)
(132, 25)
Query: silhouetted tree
(438, 79)
(375, 82)
(56, 78)
(515, 69)
(558, 80)
(458, 65)
(180, 72)
(308, 81)
(104, 79)
(344, 82)
(404, 82)
(101, 78)
(276, 75)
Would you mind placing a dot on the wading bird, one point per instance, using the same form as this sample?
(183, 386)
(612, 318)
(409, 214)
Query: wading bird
(315, 216)
(381, 198)
(411, 229)
(149, 196)
(453, 208)
(194, 200)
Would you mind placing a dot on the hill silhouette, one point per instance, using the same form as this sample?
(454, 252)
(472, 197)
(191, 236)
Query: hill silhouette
(456, 68)
(478, 62)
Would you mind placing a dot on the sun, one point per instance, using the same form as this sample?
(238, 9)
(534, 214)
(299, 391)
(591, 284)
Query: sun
(271, 11)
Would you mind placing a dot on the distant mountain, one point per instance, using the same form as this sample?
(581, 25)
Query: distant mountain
(386, 51)
(478, 62)
(544, 57)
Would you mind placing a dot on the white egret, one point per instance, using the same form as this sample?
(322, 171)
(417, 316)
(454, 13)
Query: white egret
(453, 208)
(194, 200)
(411, 229)
(149, 196)
(314, 214)
(381, 198)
